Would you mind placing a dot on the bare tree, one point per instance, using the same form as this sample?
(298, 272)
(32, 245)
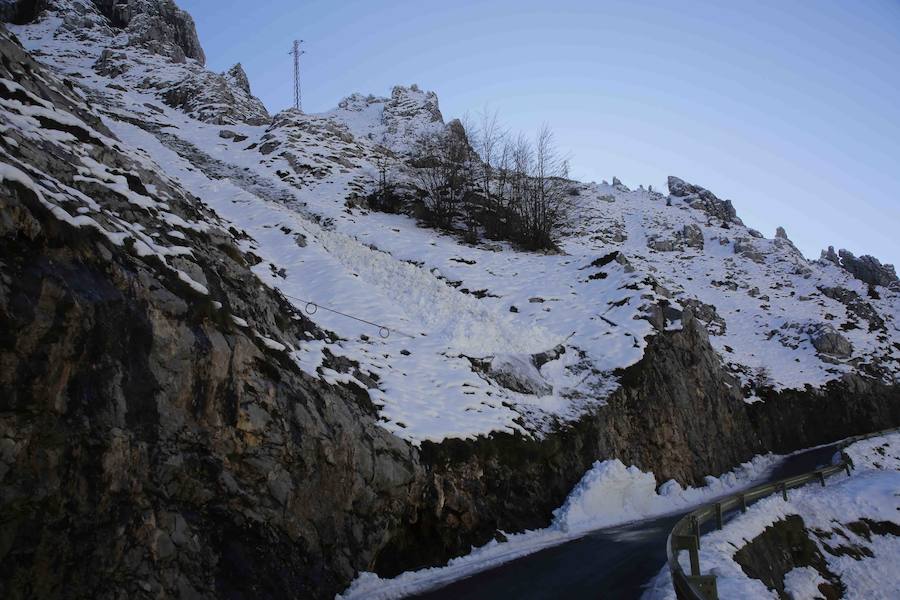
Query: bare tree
(444, 172)
(511, 187)
(547, 205)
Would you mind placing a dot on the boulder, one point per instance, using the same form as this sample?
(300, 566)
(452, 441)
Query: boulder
(747, 249)
(826, 340)
(692, 236)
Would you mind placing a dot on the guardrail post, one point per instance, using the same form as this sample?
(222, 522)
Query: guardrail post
(695, 527)
(847, 466)
(706, 585)
(743, 503)
(719, 515)
(691, 544)
(821, 475)
(784, 491)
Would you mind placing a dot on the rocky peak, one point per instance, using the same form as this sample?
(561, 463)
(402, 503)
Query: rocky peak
(702, 199)
(154, 22)
(412, 103)
(867, 269)
(237, 76)
(781, 234)
(394, 122)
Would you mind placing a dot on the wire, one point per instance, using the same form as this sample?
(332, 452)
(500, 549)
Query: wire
(384, 332)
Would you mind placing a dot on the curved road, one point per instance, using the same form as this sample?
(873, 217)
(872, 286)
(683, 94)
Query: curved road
(608, 563)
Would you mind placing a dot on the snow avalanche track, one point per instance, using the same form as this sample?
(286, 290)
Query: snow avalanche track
(427, 386)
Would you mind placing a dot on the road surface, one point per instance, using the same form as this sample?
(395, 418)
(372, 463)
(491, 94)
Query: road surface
(608, 563)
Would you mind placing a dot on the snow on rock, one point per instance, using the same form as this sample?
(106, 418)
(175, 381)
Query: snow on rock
(803, 582)
(148, 45)
(867, 269)
(393, 122)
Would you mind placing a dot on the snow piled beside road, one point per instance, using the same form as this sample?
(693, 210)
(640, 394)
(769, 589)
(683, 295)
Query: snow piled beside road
(609, 494)
(872, 492)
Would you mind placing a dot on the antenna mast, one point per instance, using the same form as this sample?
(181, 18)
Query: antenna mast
(297, 52)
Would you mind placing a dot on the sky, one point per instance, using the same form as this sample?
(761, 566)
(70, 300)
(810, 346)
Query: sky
(791, 109)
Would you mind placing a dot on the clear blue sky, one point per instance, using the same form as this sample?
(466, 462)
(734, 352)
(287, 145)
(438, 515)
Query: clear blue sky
(789, 108)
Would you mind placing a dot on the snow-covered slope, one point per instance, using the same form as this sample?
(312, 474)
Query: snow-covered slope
(851, 528)
(481, 337)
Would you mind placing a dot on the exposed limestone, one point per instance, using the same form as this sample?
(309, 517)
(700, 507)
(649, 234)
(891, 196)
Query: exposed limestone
(154, 23)
(702, 199)
(745, 247)
(692, 236)
(236, 76)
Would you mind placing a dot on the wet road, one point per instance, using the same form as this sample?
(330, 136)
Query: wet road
(608, 563)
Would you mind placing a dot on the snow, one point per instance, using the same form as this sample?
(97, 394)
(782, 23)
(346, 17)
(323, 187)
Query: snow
(871, 492)
(803, 583)
(388, 270)
(609, 494)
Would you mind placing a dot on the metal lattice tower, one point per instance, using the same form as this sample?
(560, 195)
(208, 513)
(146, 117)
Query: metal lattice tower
(297, 52)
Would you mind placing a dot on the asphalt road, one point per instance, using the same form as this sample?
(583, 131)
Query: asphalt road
(608, 563)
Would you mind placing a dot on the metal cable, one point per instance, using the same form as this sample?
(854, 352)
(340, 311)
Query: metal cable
(384, 332)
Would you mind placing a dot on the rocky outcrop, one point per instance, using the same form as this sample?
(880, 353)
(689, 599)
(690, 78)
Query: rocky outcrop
(237, 77)
(783, 546)
(692, 236)
(858, 309)
(867, 269)
(218, 99)
(154, 23)
(748, 249)
(827, 340)
(702, 199)
(165, 38)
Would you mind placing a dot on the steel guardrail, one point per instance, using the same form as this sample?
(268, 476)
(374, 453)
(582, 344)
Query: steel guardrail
(685, 535)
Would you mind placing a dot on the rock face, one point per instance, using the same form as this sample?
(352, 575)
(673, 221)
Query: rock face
(151, 444)
(218, 99)
(703, 199)
(692, 236)
(146, 44)
(154, 22)
(236, 76)
(867, 269)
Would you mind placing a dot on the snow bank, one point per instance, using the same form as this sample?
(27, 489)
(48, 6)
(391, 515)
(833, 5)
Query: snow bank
(609, 494)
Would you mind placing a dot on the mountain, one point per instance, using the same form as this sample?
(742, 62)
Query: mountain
(226, 374)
